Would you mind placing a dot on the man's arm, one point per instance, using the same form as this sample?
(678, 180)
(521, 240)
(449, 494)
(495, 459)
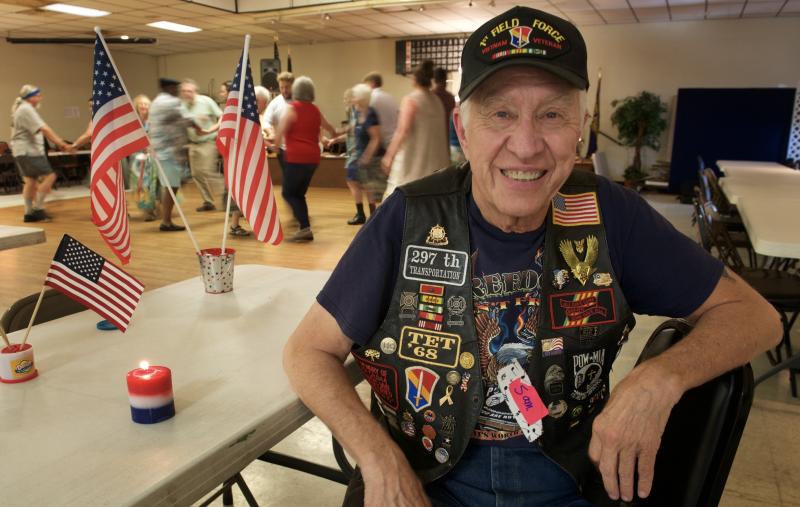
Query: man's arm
(732, 326)
(317, 350)
(54, 138)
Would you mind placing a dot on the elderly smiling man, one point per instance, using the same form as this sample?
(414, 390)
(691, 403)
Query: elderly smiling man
(486, 304)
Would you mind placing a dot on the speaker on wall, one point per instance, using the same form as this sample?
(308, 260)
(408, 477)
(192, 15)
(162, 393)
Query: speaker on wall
(270, 68)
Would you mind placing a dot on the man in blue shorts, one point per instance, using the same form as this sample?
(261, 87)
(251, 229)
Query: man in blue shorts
(486, 304)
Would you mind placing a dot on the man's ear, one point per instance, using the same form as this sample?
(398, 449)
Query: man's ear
(458, 122)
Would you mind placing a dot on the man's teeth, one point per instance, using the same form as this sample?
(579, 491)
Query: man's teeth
(522, 175)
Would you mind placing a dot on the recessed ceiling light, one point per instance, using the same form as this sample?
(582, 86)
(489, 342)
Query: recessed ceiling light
(174, 27)
(327, 17)
(421, 8)
(76, 10)
(124, 37)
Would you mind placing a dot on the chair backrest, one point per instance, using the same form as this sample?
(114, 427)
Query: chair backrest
(701, 220)
(718, 234)
(702, 433)
(54, 306)
(717, 195)
(600, 164)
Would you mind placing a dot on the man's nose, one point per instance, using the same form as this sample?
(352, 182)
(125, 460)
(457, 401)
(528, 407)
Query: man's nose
(527, 139)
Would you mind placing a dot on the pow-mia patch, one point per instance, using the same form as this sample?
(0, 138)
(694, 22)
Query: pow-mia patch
(576, 309)
(420, 383)
(383, 380)
(588, 373)
(429, 347)
(435, 265)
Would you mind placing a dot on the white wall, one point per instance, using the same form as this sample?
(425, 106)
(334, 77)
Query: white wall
(64, 75)
(658, 57)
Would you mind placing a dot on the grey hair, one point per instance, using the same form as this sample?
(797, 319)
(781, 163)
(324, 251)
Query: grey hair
(261, 93)
(362, 93)
(26, 89)
(303, 89)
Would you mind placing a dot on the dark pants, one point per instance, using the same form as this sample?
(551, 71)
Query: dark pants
(495, 476)
(296, 178)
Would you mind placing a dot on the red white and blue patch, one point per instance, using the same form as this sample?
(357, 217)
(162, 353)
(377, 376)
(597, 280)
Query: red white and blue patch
(420, 382)
(576, 209)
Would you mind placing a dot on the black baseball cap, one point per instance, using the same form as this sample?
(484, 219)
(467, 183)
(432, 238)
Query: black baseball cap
(523, 36)
(168, 81)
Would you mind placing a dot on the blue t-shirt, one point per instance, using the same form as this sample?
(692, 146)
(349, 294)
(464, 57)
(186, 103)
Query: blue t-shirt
(660, 271)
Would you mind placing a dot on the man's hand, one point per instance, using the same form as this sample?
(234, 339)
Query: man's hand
(626, 435)
(389, 481)
(386, 164)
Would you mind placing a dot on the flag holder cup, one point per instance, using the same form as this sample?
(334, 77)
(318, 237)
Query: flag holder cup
(217, 269)
(16, 364)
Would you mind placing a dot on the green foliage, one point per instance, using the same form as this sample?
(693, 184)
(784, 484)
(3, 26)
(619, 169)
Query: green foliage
(634, 175)
(640, 122)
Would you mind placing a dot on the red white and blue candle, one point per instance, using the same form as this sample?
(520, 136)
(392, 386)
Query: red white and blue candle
(150, 393)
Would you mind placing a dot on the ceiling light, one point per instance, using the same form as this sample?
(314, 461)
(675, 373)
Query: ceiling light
(76, 10)
(421, 8)
(174, 27)
(124, 37)
(327, 17)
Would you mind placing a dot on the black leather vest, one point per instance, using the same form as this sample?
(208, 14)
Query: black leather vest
(423, 362)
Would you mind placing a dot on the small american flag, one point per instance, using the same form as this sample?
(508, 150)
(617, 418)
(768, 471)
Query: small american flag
(91, 280)
(246, 170)
(577, 209)
(116, 133)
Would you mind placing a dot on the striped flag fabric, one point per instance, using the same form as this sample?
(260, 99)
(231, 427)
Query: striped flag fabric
(116, 133)
(86, 277)
(246, 170)
(576, 209)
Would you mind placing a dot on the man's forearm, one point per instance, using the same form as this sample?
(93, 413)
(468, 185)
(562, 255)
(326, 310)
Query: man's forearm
(323, 384)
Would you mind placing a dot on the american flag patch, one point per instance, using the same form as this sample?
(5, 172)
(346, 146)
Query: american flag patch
(552, 346)
(576, 209)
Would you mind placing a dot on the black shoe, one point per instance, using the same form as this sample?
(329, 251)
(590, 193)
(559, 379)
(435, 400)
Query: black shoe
(37, 215)
(357, 220)
(207, 206)
(239, 231)
(171, 227)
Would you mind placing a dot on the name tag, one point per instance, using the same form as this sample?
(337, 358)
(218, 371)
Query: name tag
(427, 264)
(522, 398)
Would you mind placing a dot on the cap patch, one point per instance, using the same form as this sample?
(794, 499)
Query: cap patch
(512, 37)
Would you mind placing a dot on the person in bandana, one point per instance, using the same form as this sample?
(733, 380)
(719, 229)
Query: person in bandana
(485, 305)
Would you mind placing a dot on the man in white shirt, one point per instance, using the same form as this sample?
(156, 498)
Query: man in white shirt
(203, 155)
(385, 106)
(275, 109)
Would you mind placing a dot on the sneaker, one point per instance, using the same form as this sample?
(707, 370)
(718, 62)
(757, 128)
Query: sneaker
(357, 220)
(171, 228)
(303, 235)
(239, 231)
(207, 206)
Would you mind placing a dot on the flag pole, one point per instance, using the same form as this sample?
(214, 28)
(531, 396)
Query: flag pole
(35, 311)
(150, 149)
(5, 336)
(232, 149)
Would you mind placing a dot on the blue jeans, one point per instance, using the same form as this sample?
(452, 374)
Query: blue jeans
(505, 477)
(296, 178)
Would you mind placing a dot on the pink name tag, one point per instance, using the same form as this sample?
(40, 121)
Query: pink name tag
(527, 401)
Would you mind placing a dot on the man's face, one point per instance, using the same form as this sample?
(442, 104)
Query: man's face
(188, 93)
(520, 139)
(286, 89)
(36, 99)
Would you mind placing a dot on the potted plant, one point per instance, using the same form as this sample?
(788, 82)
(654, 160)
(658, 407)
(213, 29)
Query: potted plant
(640, 122)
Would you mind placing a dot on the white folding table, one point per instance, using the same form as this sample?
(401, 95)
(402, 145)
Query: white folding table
(12, 236)
(67, 437)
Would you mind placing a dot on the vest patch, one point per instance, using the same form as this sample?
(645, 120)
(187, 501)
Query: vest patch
(435, 265)
(383, 380)
(576, 309)
(420, 382)
(429, 347)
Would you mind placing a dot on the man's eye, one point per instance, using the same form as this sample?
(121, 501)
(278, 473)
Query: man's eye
(552, 115)
(502, 114)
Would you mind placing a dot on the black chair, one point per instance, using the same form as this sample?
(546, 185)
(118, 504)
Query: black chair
(54, 306)
(702, 433)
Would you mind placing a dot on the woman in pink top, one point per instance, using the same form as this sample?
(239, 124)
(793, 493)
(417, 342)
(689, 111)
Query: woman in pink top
(299, 127)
